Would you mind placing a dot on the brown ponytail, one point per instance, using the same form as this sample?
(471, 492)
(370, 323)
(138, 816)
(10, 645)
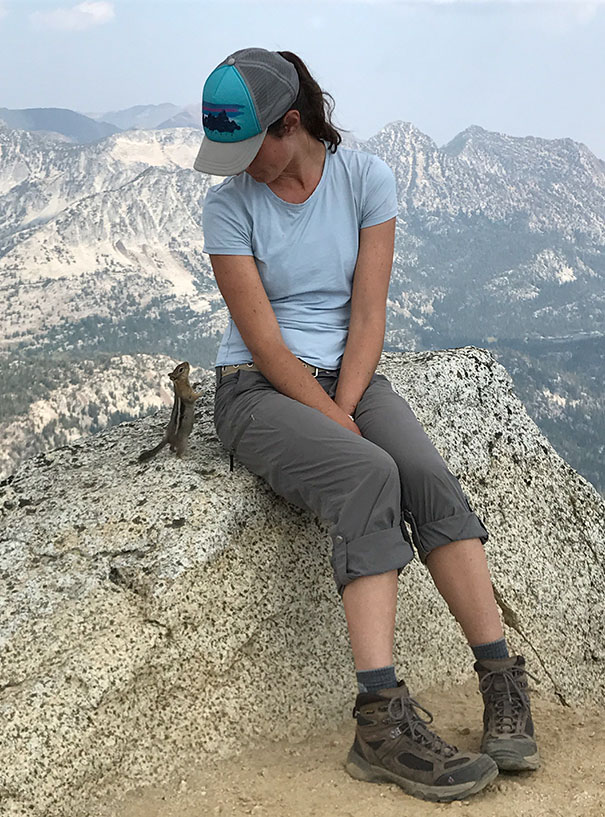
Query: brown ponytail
(315, 110)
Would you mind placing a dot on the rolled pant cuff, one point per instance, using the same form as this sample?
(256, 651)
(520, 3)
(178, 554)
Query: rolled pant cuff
(450, 529)
(368, 555)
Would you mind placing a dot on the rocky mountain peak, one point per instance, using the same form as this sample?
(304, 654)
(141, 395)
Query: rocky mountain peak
(400, 136)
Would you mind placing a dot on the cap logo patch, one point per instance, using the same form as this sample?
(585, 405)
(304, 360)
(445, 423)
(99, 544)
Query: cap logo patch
(218, 117)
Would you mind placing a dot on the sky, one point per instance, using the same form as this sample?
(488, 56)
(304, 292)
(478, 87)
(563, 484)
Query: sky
(513, 66)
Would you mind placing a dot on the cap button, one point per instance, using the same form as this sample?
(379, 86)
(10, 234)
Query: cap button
(230, 61)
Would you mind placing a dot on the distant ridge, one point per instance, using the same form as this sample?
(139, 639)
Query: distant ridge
(75, 126)
(141, 117)
(190, 116)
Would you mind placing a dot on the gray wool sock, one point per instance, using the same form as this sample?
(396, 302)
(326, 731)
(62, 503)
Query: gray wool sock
(371, 680)
(491, 650)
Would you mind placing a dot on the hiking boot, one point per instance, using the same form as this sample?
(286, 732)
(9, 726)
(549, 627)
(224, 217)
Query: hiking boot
(508, 729)
(392, 744)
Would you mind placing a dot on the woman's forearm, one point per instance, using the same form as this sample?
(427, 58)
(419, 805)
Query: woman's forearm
(285, 372)
(362, 353)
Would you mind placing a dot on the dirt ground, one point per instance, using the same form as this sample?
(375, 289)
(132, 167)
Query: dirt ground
(307, 779)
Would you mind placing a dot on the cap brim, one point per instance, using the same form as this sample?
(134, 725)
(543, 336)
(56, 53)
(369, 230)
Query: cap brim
(227, 158)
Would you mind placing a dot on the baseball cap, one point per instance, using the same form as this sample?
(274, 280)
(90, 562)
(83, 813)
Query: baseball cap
(248, 91)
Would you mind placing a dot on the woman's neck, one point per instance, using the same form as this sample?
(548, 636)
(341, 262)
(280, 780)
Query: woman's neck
(302, 175)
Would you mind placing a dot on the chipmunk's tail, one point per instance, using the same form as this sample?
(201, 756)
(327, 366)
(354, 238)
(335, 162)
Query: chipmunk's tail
(147, 455)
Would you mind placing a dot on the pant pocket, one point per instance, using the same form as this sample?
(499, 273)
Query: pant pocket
(239, 432)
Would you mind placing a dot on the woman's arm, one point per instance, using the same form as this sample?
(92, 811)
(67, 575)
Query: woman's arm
(368, 313)
(239, 281)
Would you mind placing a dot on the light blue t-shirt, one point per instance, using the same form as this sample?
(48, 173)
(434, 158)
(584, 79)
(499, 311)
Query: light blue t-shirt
(305, 253)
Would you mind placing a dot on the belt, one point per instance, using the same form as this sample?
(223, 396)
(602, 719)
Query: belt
(315, 370)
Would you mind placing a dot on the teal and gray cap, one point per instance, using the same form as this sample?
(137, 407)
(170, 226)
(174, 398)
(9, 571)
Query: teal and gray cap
(250, 90)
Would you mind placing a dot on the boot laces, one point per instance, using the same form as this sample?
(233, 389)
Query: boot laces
(509, 697)
(401, 712)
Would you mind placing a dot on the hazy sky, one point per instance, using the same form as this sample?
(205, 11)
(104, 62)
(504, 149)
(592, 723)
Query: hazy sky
(518, 67)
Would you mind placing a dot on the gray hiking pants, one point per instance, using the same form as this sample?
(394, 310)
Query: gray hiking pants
(367, 487)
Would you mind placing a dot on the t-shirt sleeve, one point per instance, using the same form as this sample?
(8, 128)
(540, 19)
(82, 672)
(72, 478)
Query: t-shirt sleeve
(226, 226)
(379, 200)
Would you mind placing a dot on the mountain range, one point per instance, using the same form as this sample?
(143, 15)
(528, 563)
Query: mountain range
(73, 126)
(500, 243)
(81, 128)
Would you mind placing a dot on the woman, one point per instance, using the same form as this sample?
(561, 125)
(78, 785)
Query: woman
(300, 237)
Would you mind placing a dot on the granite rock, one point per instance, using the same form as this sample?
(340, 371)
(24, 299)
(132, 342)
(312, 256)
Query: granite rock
(153, 614)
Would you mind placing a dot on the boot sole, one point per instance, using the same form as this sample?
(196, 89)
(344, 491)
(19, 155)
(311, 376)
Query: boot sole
(360, 769)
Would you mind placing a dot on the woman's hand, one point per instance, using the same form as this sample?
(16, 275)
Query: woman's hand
(354, 427)
(347, 421)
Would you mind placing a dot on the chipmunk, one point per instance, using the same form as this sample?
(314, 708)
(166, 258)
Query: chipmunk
(181, 419)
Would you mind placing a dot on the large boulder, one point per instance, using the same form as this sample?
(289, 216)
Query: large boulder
(153, 614)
